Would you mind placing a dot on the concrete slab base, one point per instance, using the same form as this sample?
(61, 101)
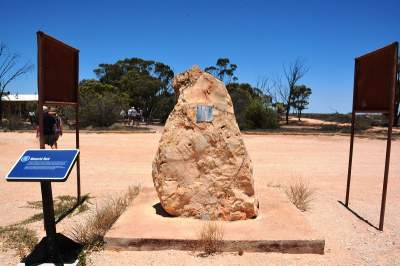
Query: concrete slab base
(279, 227)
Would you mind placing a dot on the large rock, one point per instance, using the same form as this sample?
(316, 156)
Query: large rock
(202, 168)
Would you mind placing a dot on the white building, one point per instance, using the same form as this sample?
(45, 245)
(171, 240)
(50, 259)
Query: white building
(19, 104)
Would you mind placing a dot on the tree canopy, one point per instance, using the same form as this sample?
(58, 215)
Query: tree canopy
(145, 82)
(223, 70)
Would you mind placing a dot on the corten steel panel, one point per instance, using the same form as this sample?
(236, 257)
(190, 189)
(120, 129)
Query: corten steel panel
(58, 68)
(375, 80)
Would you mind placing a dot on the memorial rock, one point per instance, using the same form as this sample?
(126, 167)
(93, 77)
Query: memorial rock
(202, 168)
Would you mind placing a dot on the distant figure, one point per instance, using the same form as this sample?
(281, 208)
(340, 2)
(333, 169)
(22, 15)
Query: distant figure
(132, 113)
(122, 114)
(49, 128)
(32, 118)
(129, 115)
(138, 117)
(141, 116)
(58, 129)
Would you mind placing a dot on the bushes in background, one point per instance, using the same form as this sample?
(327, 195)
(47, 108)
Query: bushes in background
(257, 115)
(251, 107)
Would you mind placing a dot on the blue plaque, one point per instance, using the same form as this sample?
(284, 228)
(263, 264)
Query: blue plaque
(43, 165)
(204, 113)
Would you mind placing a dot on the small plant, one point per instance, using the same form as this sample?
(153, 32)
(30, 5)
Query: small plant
(211, 238)
(91, 232)
(18, 237)
(300, 195)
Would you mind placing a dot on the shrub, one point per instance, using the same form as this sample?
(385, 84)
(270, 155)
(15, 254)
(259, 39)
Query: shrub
(90, 233)
(363, 122)
(330, 127)
(14, 122)
(259, 116)
(101, 110)
(241, 99)
(300, 195)
(163, 107)
(211, 237)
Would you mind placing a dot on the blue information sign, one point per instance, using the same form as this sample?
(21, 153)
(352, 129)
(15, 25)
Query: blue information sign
(43, 165)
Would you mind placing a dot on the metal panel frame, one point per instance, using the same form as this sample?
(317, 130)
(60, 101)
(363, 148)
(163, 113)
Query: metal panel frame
(390, 112)
(47, 198)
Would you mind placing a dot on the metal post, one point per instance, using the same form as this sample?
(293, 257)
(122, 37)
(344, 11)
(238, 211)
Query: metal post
(78, 161)
(78, 165)
(388, 144)
(40, 77)
(49, 221)
(353, 118)
(353, 121)
(385, 177)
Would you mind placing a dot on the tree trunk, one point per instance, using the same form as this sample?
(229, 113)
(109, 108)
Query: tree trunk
(287, 114)
(1, 111)
(288, 106)
(299, 115)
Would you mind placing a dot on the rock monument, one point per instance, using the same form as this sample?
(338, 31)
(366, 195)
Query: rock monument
(202, 168)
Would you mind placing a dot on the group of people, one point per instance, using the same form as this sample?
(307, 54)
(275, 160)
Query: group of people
(133, 116)
(52, 127)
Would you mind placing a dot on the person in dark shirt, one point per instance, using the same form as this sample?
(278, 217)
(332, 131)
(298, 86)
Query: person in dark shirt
(49, 127)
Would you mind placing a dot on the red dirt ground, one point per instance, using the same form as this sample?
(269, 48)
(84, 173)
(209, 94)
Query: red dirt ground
(111, 162)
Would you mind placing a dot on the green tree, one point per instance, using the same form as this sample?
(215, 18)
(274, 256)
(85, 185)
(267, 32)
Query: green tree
(223, 70)
(301, 98)
(142, 90)
(241, 95)
(146, 83)
(293, 74)
(100, 104)
(252, 107)
(260, 116)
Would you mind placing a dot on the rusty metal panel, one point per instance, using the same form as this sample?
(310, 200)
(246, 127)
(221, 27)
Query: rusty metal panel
(375, 80)
(58, 68)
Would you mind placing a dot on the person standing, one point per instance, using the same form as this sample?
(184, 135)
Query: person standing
(49, 128)
(122, 114)
(58, 129)
(134, 114)
(129, 116)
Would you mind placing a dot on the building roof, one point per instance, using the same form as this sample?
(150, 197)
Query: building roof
(20, 98)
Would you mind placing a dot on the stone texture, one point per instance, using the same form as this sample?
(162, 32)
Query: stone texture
(202, 169)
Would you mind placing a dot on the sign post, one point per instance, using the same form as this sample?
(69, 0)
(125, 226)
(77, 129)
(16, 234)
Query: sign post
(374, 92)
(46, 166)
(58, 77)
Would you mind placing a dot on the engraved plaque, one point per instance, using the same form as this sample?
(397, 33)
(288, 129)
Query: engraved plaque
(204, 113)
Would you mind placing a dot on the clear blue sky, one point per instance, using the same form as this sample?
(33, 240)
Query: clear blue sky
(259, 36)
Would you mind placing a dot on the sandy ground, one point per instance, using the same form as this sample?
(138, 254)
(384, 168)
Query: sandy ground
(112, 162)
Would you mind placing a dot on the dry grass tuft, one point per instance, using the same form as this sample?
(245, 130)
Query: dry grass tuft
(211, 238)
(300, 194)
(90, 233)
(20, 238)
(62, 204)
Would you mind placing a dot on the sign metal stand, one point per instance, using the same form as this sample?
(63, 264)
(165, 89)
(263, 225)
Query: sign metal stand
(58, 77)
(374, 92)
